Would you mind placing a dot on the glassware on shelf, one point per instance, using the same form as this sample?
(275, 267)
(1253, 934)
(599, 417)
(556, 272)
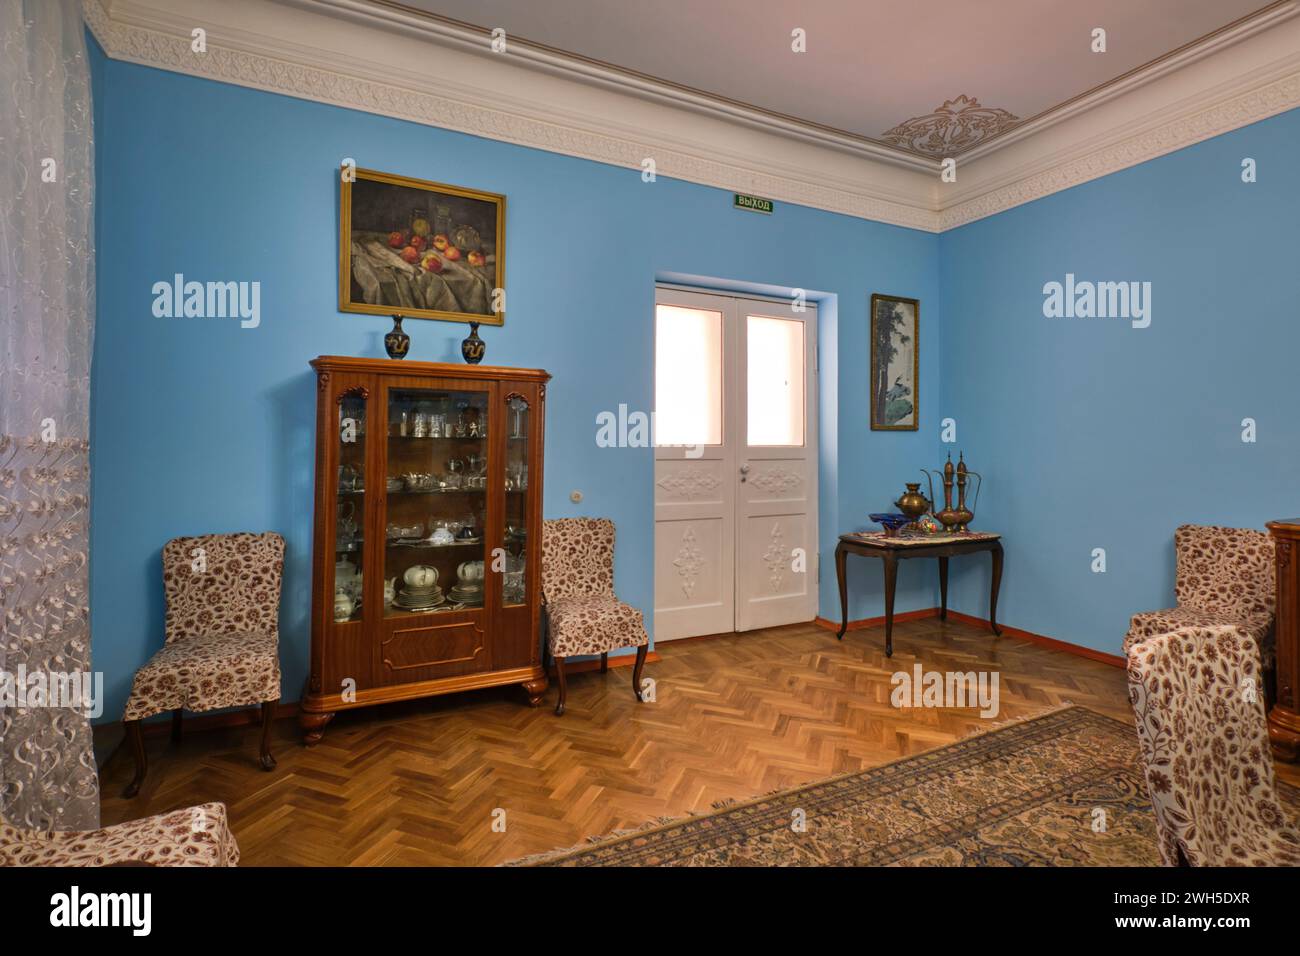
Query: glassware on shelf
(435, 477)
(346, 533)
(350, 478)
(349, 504)
(512, 591)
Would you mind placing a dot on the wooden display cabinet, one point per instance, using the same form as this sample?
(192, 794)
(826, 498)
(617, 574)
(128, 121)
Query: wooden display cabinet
(424, 465)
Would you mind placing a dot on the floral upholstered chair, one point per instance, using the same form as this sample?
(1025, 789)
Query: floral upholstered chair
(223, 634)
(1223, 576)
(582, 614)
(1204, 737)
(197, 836)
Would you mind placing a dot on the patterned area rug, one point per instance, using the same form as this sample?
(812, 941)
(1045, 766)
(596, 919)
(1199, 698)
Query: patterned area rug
(1061, 789)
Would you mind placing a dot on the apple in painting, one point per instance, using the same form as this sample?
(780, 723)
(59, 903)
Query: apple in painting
(420, 227)
(409, 254)
(477, 259)
(440, 242)
(396, 240)
(452, 253)
(417, 243)
(431, 262)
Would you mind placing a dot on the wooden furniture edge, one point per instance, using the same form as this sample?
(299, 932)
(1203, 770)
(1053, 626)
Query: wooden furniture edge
(384, 366)
(394, 693)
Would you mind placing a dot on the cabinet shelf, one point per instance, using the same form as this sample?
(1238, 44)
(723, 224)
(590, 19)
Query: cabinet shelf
(434, 547)
(437, 491)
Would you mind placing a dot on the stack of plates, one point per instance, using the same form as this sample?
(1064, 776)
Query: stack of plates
(418, 599)
(464, 593)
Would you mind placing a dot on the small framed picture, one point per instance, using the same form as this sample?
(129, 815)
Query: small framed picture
(894, 366)
(425, 250)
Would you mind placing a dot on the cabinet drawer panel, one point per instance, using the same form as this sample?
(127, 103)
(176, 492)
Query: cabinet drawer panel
(431, 645)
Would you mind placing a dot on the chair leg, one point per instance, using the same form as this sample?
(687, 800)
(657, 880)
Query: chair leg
(604, 662)
(176, 725)
(133, 737)
(268, 716)
(636, 671)
(564, 690)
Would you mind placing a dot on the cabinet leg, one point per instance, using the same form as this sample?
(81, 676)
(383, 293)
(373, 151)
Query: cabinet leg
(1284, 733)
(536, 689)
(313, 727)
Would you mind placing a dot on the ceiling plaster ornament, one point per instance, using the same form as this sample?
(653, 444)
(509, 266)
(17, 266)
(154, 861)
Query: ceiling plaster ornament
(689, 562)
(955, 126)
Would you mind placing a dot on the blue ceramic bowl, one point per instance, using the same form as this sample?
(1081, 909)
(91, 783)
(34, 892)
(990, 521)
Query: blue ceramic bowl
(890, 522)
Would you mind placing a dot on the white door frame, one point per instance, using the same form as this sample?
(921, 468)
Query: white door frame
(700, 503)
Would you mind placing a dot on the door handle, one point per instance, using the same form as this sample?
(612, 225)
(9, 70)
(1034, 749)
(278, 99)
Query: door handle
(744, 470)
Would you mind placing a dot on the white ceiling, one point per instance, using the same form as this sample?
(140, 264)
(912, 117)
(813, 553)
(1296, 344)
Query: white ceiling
(870, 65)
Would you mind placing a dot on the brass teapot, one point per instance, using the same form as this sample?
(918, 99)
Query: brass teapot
(912, 503)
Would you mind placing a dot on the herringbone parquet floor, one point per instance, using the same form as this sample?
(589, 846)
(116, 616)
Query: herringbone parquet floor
(735, 716)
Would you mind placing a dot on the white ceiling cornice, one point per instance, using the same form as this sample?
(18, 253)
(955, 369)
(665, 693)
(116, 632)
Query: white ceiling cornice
(386, 59)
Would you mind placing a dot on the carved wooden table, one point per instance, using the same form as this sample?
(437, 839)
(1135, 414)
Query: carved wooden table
(891, 550)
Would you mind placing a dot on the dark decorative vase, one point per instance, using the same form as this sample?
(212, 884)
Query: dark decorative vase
(473, 347)
(397, 343)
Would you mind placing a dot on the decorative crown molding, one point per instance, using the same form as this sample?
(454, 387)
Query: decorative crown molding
(137, 33)
(341, 52)
(1196, 124)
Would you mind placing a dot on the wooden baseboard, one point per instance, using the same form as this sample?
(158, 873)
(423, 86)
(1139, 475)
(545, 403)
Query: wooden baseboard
(866, 622)
(1115, 660)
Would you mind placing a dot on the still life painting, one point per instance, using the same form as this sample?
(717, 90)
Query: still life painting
(894, 368)
(424, 249)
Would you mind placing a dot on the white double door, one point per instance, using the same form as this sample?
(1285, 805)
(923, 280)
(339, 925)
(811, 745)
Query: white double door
(735, 463)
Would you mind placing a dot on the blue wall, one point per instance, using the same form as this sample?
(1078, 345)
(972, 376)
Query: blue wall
(201, 426)
(1094, 434)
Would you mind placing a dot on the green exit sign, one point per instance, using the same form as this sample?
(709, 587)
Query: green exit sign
(753, 203)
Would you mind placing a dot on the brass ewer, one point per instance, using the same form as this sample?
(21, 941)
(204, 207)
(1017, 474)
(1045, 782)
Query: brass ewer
(959, 518)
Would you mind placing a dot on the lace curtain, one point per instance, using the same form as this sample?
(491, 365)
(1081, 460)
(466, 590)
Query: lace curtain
(47, 309)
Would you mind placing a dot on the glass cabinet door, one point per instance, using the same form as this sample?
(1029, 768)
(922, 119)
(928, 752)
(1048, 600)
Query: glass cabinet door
(435, 498)
(350, 504)
(513, 580)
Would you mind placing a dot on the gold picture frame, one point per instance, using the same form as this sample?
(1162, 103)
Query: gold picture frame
(384, 218)
(894, 332)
